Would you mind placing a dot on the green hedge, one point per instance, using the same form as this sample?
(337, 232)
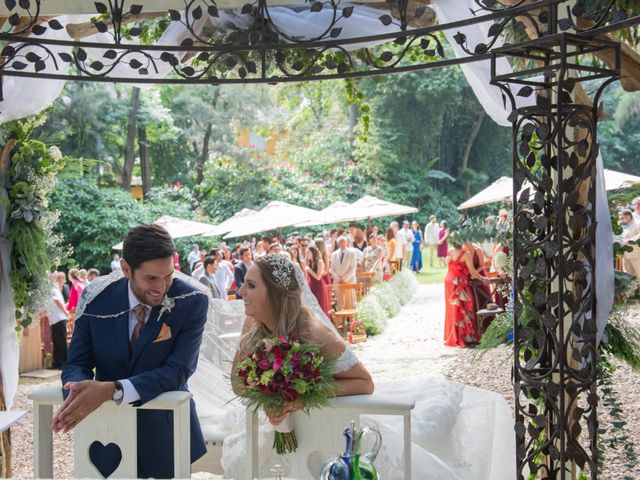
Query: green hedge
(384, 300)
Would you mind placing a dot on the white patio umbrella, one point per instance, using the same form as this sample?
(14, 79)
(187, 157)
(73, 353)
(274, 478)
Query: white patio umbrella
(499, 191)
(614, 180)
(238, 220)
(335, 213)
(275, 215)
(178, 228)
(373, 207)
(502, 189)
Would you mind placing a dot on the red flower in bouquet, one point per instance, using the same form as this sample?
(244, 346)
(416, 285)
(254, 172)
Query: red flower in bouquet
(284, 370)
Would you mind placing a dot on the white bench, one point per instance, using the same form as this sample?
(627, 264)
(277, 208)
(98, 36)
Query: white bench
(324, 427)
(108, 424)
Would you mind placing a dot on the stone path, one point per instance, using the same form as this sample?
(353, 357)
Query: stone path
(412, 344)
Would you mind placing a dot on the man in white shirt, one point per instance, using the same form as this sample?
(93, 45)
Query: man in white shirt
(407, 240)
(343, 267)
(57, 314)
(193, 257)
(431, 238)
(224, 273)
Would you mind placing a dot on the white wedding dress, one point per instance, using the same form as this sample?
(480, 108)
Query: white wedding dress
(458, 432)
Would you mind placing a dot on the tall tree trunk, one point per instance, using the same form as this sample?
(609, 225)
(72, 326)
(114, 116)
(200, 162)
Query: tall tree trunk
(204, 154)
(467, 150)
(144, 159)
(130, 151)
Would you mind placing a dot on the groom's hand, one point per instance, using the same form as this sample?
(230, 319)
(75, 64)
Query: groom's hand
(84, 397)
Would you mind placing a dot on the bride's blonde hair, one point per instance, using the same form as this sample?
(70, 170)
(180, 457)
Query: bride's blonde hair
(285, 298)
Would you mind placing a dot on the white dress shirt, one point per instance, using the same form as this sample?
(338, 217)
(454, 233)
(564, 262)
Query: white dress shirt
(408, 238)
(224, 278)
(130, 393)
(55, 313)
(431, 233)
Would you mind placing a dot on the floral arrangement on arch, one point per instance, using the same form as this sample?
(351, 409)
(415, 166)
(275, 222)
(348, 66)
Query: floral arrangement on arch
(35, 249)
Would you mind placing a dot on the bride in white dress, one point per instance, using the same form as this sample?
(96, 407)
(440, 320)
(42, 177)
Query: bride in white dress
(459, 432)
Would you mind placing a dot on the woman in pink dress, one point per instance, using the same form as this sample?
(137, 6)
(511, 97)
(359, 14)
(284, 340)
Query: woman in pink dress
(315, 272)
(443, 245)
(77, 286)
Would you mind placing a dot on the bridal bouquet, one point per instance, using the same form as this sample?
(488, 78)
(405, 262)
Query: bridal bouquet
(285, 370)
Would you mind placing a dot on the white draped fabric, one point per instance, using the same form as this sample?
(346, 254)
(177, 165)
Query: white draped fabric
(8, 337)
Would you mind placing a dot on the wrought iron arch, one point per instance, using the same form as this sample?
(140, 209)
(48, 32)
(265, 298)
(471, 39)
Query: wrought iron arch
(555, 149)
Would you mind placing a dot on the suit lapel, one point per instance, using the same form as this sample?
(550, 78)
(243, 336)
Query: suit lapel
(121, 323)
(149, 332)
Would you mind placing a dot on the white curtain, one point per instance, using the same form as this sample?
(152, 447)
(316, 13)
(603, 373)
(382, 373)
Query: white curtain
(8, 335)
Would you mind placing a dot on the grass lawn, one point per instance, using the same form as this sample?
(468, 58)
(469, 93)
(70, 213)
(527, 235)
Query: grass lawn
(431, 274)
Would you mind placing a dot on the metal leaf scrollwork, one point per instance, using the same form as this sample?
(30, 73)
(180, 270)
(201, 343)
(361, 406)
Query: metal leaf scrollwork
(249, 44)
(554, 161)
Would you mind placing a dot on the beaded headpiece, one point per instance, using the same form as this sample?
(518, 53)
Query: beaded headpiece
(282, 269)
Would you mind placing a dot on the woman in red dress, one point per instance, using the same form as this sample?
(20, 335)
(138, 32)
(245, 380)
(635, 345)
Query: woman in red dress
(460, 323)
(315, 272)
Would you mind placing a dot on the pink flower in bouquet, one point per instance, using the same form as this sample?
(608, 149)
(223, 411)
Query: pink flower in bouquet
(263, 364)
(277, 363)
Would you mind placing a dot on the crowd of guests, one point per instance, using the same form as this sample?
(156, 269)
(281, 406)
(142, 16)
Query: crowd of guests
(331, 258)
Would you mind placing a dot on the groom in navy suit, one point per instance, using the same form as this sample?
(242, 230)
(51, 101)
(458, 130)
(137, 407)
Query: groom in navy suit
(142, 336)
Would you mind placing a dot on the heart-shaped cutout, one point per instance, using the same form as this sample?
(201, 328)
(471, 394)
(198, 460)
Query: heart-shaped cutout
(106, 458)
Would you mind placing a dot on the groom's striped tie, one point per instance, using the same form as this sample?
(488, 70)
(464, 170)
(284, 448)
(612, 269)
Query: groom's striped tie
(140, 311)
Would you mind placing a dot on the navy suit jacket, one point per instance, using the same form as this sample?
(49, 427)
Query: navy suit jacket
(239, 273)
(152, 368)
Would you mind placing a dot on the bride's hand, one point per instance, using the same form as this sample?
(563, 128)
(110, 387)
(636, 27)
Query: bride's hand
(289, 408)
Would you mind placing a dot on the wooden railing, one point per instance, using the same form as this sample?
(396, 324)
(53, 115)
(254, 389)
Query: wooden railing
(109, 424)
